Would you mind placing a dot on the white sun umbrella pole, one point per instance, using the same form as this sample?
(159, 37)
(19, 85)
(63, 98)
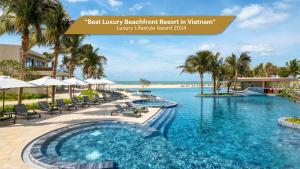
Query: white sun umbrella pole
(48, 81)
(75, 82)
(7, 82)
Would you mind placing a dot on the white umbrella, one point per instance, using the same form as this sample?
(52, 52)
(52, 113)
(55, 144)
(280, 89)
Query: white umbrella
(49, 81)
(105, 81)
(94, 81)
(75, 82)
(7, 82)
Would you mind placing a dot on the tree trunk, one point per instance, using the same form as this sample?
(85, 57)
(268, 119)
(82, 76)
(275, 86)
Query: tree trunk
(25, 46)
(54, 66)
(214, 84)
(201, 83)
(228, 87)
(70, 76)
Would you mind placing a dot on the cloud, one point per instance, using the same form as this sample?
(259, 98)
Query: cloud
(74, 1)
(256, 15)
(93, 12)
(141, 41)
(207, 46)
(139, 6)
(261, 49)
(114, 3)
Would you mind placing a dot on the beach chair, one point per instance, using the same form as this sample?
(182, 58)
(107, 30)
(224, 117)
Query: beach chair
(21, 110)
(129, 113)
(75, 102)
(141, 109)
(43, 105)
(99, 99)
(87, 100)
(62, 106)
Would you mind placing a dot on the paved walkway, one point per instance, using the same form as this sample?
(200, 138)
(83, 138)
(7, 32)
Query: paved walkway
(13, 138)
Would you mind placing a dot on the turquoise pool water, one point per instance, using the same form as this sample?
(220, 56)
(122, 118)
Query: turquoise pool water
(233, 132)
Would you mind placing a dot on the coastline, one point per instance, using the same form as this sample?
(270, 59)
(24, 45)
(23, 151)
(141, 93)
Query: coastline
(138, 86)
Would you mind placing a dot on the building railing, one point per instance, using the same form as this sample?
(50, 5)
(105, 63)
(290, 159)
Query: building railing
(41, 68)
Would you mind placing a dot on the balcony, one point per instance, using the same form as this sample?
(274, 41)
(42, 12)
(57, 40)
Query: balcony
(41, 68)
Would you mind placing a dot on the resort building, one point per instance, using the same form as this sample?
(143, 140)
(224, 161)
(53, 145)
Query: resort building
(266, 83)
(38, 63)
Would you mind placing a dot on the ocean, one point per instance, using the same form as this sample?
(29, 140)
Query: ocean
(160, 82)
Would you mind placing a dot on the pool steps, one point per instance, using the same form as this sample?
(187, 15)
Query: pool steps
(162, 121)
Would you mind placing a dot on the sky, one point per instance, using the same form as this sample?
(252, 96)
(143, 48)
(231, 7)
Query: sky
(268, 30)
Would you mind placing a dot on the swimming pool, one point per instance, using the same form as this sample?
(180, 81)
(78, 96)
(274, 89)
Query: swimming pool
(230, 132)
(155, 103)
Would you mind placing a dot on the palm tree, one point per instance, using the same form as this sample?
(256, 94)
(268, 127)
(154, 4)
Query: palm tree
(57, 24)
(92, 63)
(198, 63)
(22, 17)
(293, 67)
(239, 65)
(214, 68)
(265, 70)
(71, 45)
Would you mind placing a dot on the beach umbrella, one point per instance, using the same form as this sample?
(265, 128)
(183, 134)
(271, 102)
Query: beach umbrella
(105, 81)
(48, 81)
(75, 82)
(7, 82)
(94, 81)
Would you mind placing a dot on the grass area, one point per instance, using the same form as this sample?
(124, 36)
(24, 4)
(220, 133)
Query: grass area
(25, 96)
(210, 94)
(293, 120)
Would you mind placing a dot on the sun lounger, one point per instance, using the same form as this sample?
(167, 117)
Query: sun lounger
(43, 105)
(99, 99)
(129, 113)
(75, 101)
(62, 106)
(141, 109)
(87, 101)
(21, 110)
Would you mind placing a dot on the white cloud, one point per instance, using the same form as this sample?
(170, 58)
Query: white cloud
(115, 3)
(261, 49)
(257, 15)
(139, 6)
(93, 12)
(141, 41)
(74, 1)
(207, 46)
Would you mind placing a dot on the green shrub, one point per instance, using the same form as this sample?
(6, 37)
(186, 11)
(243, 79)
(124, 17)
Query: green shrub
(25, 96)
(89, 92)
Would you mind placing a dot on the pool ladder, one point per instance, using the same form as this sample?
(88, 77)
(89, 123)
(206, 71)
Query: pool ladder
(163, 120)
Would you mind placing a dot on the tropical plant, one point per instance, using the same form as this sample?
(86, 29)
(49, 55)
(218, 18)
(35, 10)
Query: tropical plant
(92, 62)
(224, 74)
(283, 72)
(265, 70)
(239, 66)
(57, 23)
(214, 68)
(23, 17)
(198, 63)
(9, 67)
(71, 48)
(293, 67)
(145, 82)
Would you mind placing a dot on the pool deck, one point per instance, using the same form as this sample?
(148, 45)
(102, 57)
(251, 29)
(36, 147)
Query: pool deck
(14, 137)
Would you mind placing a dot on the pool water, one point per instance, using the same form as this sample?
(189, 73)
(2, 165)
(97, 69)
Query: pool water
(155, 103)
(227, 132)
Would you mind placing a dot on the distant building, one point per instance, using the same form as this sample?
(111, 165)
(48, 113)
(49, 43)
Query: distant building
(38, 63)
(265, 83)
